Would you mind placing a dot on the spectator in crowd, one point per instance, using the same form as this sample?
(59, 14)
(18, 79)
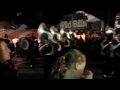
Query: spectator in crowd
(87, 74)
(69, 66)
(7, 70)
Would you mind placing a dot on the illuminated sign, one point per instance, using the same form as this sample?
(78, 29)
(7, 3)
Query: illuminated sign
(73, 24)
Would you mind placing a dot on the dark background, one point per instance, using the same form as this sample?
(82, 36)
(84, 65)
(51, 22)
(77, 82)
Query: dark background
(51, 12)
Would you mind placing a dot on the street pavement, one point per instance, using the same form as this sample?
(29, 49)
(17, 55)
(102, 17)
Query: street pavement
(27, 72)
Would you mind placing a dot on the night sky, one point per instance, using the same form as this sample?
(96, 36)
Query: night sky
(51, 13)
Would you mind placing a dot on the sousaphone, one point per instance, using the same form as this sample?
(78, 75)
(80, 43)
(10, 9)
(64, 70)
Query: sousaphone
(54, 32)
(42, 29)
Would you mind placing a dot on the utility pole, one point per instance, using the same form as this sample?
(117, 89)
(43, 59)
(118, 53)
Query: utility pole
(8, 21)
(19, 14)
(108, 17)
(72, 21)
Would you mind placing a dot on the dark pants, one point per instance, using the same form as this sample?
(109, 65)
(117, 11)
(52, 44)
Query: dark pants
(47, 65)
(33, 60)
(117, 67)
(107, 66)
(31, 57)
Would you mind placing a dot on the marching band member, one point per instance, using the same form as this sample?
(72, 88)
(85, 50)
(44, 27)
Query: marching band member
(46, 48)
(73, 41)
(105, 52)
(65, 40)
(115, 56)
(55, 39)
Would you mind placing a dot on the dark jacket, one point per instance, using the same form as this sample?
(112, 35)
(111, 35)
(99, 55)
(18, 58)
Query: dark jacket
(7, 71)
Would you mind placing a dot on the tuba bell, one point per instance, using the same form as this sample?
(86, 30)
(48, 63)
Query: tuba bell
(54, 32)
(42, 29)
(24, 43)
